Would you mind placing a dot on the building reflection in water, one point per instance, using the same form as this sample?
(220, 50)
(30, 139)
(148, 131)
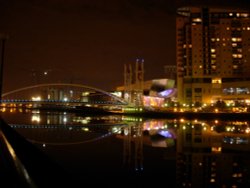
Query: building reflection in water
(213, 155)
(133, 146)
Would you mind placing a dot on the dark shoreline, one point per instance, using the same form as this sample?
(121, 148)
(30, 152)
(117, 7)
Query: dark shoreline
(193, 115)
(157, 114)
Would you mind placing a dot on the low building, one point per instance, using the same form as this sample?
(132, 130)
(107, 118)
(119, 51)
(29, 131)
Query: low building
(155, 92)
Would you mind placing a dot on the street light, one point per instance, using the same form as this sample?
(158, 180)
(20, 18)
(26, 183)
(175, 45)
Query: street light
(3, 39)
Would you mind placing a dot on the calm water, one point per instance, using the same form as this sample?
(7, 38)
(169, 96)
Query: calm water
(120, 151)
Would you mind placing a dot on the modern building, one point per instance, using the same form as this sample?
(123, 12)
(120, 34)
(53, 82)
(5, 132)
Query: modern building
(151, 93)
(155, 92)
(213, 55)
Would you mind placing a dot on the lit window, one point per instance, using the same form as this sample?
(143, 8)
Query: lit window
(244, 15)
(235, 66)
(237, 55)
(234, 175)
(236, 39)
(216, 80)
(234, 44)
(197, 20)
(212, 180)
(216, 149)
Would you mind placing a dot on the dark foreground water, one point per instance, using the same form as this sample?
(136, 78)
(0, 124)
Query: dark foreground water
(119, 151)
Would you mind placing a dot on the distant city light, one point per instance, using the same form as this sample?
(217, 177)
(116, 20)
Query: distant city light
(38, 98)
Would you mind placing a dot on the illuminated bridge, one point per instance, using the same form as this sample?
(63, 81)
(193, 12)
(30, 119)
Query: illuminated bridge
(61, 94)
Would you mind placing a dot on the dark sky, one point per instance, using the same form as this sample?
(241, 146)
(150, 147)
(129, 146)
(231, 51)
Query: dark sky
(85, 41)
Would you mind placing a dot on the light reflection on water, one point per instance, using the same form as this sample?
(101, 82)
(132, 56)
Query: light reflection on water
(186, 153)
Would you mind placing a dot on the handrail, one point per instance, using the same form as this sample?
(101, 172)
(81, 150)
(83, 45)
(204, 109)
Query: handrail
(24, 165)
(13, 166)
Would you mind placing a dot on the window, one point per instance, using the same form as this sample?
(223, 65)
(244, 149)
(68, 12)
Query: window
(216, 80)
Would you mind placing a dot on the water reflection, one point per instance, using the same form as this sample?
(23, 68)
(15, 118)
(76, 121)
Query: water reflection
(190, 153)
(213, 154)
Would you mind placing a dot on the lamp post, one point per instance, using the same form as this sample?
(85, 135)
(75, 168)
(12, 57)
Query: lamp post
(3, 40)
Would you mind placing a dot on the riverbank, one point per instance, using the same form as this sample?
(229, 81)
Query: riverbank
(83, 110)
(155, 114)
(192, 115)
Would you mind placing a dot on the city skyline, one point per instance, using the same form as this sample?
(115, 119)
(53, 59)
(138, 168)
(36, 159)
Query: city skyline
(85, 42)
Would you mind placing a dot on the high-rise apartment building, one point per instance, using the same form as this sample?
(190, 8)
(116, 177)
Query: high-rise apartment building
(213, 55)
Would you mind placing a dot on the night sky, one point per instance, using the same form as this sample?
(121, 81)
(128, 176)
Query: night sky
(85, 41)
